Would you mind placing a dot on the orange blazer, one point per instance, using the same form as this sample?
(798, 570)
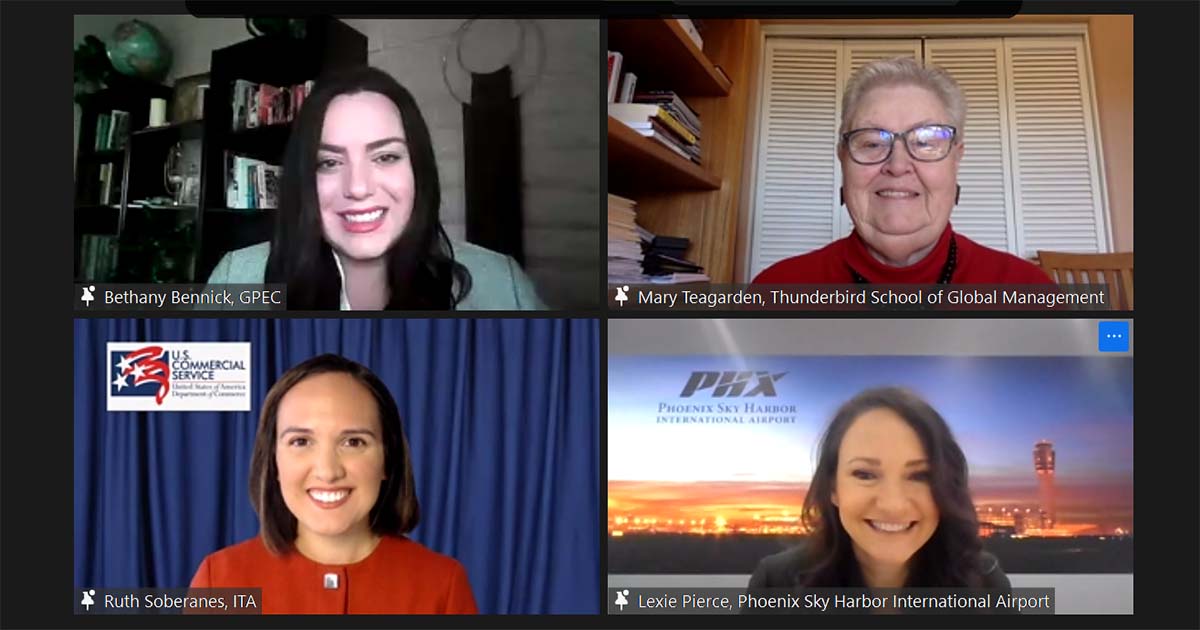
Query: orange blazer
(399, 577)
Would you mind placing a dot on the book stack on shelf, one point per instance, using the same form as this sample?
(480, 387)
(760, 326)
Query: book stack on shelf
(260, 104)
(638, 256)
(624, 242)
(98, 257)
(664, 117)
(663, 260)
(251, 184)
(112, 130)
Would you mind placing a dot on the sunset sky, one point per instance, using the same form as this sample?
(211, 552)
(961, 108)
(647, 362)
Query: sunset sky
(997, 407)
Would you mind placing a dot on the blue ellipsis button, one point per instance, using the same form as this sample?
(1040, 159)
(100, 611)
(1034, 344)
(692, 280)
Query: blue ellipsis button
(1114, 337)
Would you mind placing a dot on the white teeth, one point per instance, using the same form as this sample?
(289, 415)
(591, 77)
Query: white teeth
(889, 527)
(328, 497)
(365, 217)
(898, 194)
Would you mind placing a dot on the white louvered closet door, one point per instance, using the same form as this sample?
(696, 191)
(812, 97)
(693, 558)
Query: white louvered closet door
(1058, 198)
(985, 211)
(795, 192)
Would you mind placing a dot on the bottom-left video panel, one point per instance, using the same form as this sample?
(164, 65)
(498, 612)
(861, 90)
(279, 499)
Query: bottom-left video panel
(328, 466)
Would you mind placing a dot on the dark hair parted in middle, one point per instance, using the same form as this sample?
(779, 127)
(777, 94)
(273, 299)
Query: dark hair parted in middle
(951, 556)
(396, 510)
(421, 270)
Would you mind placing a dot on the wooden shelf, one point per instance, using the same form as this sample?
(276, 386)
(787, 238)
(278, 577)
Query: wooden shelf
(636, 162)
(104, 155)
(662, 56)
(238, 211)
(97, 219)
(187, 129)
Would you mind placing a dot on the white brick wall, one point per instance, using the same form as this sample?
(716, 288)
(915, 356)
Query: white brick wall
(560, 134)
(560, 124)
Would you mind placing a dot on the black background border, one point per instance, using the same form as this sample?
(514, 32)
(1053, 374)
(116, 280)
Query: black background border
(36, 462)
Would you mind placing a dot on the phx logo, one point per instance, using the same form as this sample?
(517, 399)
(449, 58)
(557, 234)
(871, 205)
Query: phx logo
(732, 384)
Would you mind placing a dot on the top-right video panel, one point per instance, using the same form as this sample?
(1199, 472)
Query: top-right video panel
(868, 164)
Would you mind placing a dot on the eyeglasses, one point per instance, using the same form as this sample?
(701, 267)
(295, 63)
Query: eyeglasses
(927, 143)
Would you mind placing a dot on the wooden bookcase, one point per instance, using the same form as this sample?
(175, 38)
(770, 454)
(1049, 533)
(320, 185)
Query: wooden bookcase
(674, 196)
(91, 216)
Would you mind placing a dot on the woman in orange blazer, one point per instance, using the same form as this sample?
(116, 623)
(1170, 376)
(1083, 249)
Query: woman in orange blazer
(332, 484)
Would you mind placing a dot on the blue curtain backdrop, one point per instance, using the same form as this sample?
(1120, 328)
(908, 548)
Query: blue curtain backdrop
(502, 417)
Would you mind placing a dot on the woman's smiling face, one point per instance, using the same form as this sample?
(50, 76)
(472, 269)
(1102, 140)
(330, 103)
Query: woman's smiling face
(365, 183)
(330, 456)
(900, 206)
(882, 489)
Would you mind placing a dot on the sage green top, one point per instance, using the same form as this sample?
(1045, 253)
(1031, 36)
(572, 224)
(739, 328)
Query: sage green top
(497, 282)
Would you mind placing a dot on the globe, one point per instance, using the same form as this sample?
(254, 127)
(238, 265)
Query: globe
(137, 49)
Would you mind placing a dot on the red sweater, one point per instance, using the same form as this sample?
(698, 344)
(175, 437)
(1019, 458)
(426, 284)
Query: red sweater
(831, 264)
(399, 577)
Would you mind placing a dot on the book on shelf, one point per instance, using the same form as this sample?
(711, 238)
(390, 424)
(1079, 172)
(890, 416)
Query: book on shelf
(624, 242)
(251, 184)
(266, 188)
(680, 278)
(628, 83)
(261, 104)
(112, 130)
(668, 140)
(107, 173)
(614, 74)
(98, 257)
(674, 104)
(120, 130)
(657, 262)
(693, 33)
(102, 123)
(630, 113)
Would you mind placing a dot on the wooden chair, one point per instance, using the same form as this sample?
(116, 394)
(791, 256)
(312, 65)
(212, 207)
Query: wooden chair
(1113, 270)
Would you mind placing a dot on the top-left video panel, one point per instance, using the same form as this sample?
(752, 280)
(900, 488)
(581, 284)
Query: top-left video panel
(322, 164)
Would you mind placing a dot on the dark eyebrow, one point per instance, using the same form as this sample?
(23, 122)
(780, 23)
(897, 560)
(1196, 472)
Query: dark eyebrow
(875, 462)
(304, 431)
(333, 148)
(299, 430)
(366, 432)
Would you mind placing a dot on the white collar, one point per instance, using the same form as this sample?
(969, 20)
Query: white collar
(344, 300)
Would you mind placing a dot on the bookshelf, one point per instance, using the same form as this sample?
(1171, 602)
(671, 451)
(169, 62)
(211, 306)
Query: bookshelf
(674, 196)
(669, 56)
(99, 220)
(630, 155)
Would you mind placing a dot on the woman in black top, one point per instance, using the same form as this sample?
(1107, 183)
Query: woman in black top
(888, 505)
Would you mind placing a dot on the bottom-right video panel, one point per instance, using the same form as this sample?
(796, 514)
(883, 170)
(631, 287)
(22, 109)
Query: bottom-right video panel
(870, 466)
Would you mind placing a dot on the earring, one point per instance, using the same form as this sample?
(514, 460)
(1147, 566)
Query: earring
(957, 194)
(842, 196)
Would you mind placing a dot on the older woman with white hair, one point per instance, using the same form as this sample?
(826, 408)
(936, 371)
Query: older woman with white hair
(900, 197)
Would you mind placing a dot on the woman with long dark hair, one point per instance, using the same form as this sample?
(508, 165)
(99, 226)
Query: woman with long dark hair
(358, 225)
(888, 505)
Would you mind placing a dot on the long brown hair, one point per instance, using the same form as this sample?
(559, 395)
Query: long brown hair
(951, 556)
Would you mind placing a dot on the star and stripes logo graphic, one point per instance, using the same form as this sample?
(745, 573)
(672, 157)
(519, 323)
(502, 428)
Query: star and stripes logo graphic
(141, 372)
(169, 376)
